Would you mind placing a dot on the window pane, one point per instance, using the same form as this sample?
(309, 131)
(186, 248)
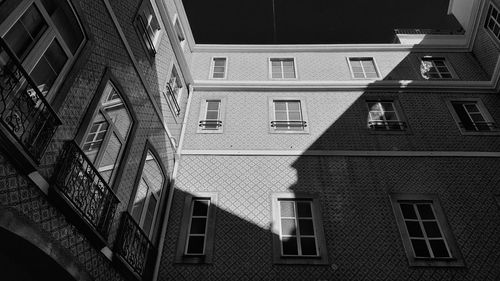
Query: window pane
(295, 116)
(218, 75)
(408, 211)
(355, 63)
(212, 115)
(439, 248)
(219, 62)
(196, 244)
(432, 229)
(198, 226)
(294, 106)
(213, 105)
(289, 75)
(288, 227)
(420, 248)
(306, 227)
(110, 157)
(139, 201)
(308, 246)
(287, 209)
(65, 20)
(289, 245)
(425, 211)
(391, 116)
(49, 66)
(150, 213)
(153, 173)
(414, 229)
(304, 209)
(121, 118)
(219, 69)
(200, 208)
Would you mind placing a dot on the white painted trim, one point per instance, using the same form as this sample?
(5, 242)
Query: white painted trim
(212, 65)
(106, 251)
(138, 71)
(355, 153)
(39, 181)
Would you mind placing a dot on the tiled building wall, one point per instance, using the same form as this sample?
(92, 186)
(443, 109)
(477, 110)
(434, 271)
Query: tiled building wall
(363, 240)
(104, 51)
(338, 121)
(333, 66)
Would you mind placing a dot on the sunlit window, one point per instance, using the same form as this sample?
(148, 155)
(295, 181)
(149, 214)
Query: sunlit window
(218, 70)
(435, 68)
(282, 68)
(288, 116)
(363, 68)
(383, 116)
(492, 22)
(148, 26)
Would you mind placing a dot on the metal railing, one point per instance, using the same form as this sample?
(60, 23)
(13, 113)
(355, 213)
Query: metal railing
(173, 98)
(478, 126)
(428, 31)
(291, 125)
(133, 245)
(24, 112)
(85, 189)
(210, 124)
(386, 125)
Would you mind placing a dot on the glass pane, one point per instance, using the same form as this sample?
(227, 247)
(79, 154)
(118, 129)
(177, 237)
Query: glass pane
(377, 115)
(26, 32)
(212, 115)
(198, 226)
(358, 75)
(219, 69)
(213, 105)
(408, 211)
(439, 249)
(308, 246)
(110, 157)
(432, 229)
(200, 208)
(471, 108)
(304, 209)
(6, 8)
(355, 63)
(196, 244)
(391, 116)
(374, 106)
(280, 116)
(414, 229)
(65, 21)
(425, 211)
(288, 227)
(420, 248)
(279, 105)
(306, 227)
(289, 245)
(49, 66)
(153, 173)
(371, 75)
(139, 201)
(294, 116)
(287, 209)
(289, 75)
(218, 75)
(219, 62)
(294, 106)
(121, 118)
(150, 213)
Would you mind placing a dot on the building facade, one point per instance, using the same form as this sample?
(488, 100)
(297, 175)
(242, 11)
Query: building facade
(129, 152)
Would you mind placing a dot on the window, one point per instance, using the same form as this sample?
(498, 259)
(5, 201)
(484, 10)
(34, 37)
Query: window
(363, 68)
(287, 115)
(211, 116)
(383, 116)
(435, 68)
(218, 69)
(427, 239)
(148, 194)
(471, 116)
(493, 21)
(297, 229)
(198, 228)
(282, 68)
(175, 84)
(148, 26)
(107, 134)
(46, 36)
(179, 32)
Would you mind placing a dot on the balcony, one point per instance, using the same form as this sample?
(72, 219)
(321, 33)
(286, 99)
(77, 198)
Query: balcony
(26, 117)
(82, 188)
(289, 125)
(389, 125)
(133, 247)
(210, 124)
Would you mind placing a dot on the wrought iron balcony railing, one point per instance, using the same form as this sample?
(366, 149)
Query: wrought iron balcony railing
(386, 125)
(24, 112)
(289, 125)
(173, 99)
(83, 187)
(210, 124)
(133, 245)
(478, 126)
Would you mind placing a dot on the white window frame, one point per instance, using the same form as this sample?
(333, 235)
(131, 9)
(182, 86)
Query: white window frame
(212, 68)
(303, 106)
(157, 33)
(180, 35)
(206, 257)
(270, 68)
(203, 113)
(278, 257)
(455, 259)
(483, 110)
(496, 37)
(379, 75)
(49, 35)
(404, 128)
(447, 64)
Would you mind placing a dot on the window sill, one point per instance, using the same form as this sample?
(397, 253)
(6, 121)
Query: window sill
(436, 262)
(301, 260)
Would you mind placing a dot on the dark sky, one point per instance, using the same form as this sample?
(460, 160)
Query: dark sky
(312, 21)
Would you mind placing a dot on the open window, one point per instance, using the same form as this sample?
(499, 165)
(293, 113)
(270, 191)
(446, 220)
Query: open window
(148, 27)
(472, 117)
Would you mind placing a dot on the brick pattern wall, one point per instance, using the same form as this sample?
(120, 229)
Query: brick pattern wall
(330, 66)
(338, 121)
(362, 237)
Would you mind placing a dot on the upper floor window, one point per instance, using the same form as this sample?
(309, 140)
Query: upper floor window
(298, 231)
(148, 194)
(218, 69)
(471, 115)
(435, 68)
(107, 134)
(148, 26)
(492, 22)
(282, 68)
(427, 239)
(211, 115)
(175, 83)
(179, 31)
(383, 115)
(195, 244)
(45, 35)
(288, 115)
(363, 68)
